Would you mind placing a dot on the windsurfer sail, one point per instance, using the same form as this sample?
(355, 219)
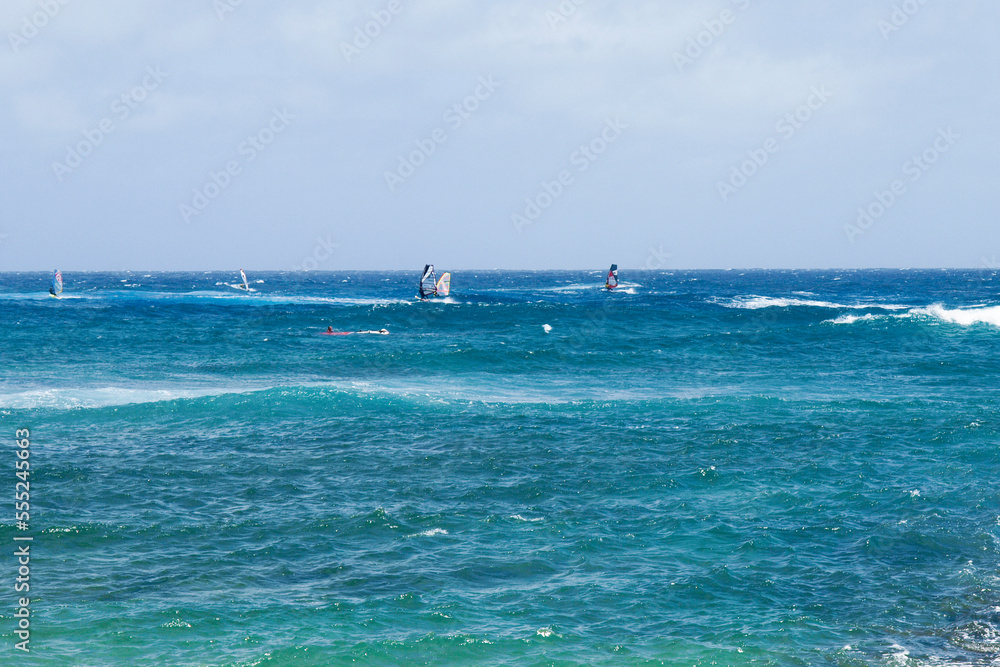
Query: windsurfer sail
(427, 281)
(443, 286)
(431, 285)
(612, 281)
(57, 284)
(246, 285)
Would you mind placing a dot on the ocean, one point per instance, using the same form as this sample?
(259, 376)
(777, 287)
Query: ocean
(699, 468)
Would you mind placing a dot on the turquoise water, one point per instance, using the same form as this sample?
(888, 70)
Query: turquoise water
(702, 468)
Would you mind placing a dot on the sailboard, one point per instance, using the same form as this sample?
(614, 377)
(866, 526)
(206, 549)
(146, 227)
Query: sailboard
(242, 284)
(57, 284)
(431, 285)
(428, 282)
(612, 281)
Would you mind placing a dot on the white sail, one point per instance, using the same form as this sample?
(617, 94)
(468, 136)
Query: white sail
(443, 286)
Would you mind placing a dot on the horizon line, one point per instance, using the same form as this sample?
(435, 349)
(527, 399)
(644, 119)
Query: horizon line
(470, 270)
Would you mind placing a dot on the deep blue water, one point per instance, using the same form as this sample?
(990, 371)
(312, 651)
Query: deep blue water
(732, 468)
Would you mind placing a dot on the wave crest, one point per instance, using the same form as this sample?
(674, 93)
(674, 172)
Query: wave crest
(963, 316)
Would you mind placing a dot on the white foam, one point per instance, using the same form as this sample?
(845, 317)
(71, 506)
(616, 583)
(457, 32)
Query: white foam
(963, 316)
(575, 287)
(431, 533)
(901, 656)
(851, 319)
(754, 302)
(518, 517)
(758, 302)
(68, 399)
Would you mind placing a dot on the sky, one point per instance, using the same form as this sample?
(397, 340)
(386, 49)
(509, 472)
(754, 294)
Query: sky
(510, 134)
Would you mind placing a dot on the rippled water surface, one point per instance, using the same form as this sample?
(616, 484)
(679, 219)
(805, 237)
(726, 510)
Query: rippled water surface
(732, 468)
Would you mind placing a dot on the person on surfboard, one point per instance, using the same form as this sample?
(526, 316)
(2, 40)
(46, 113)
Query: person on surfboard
(330, 332)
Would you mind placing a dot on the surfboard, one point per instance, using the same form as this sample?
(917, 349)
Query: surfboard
(380, 332)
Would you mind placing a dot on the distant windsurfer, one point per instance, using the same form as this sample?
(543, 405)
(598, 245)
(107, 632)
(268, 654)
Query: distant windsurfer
(427, 282)
(431, 286)
(330, 332)
(612, 281)
(57, 284)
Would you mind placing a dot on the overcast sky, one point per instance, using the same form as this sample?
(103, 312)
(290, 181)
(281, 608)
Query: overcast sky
(383, 134)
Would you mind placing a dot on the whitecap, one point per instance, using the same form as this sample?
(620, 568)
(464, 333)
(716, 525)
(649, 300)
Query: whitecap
(901, 656)
(431, 533)
(68, 399)
(759, 302)
(962, 316)
(851, 319)
(756, 302)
